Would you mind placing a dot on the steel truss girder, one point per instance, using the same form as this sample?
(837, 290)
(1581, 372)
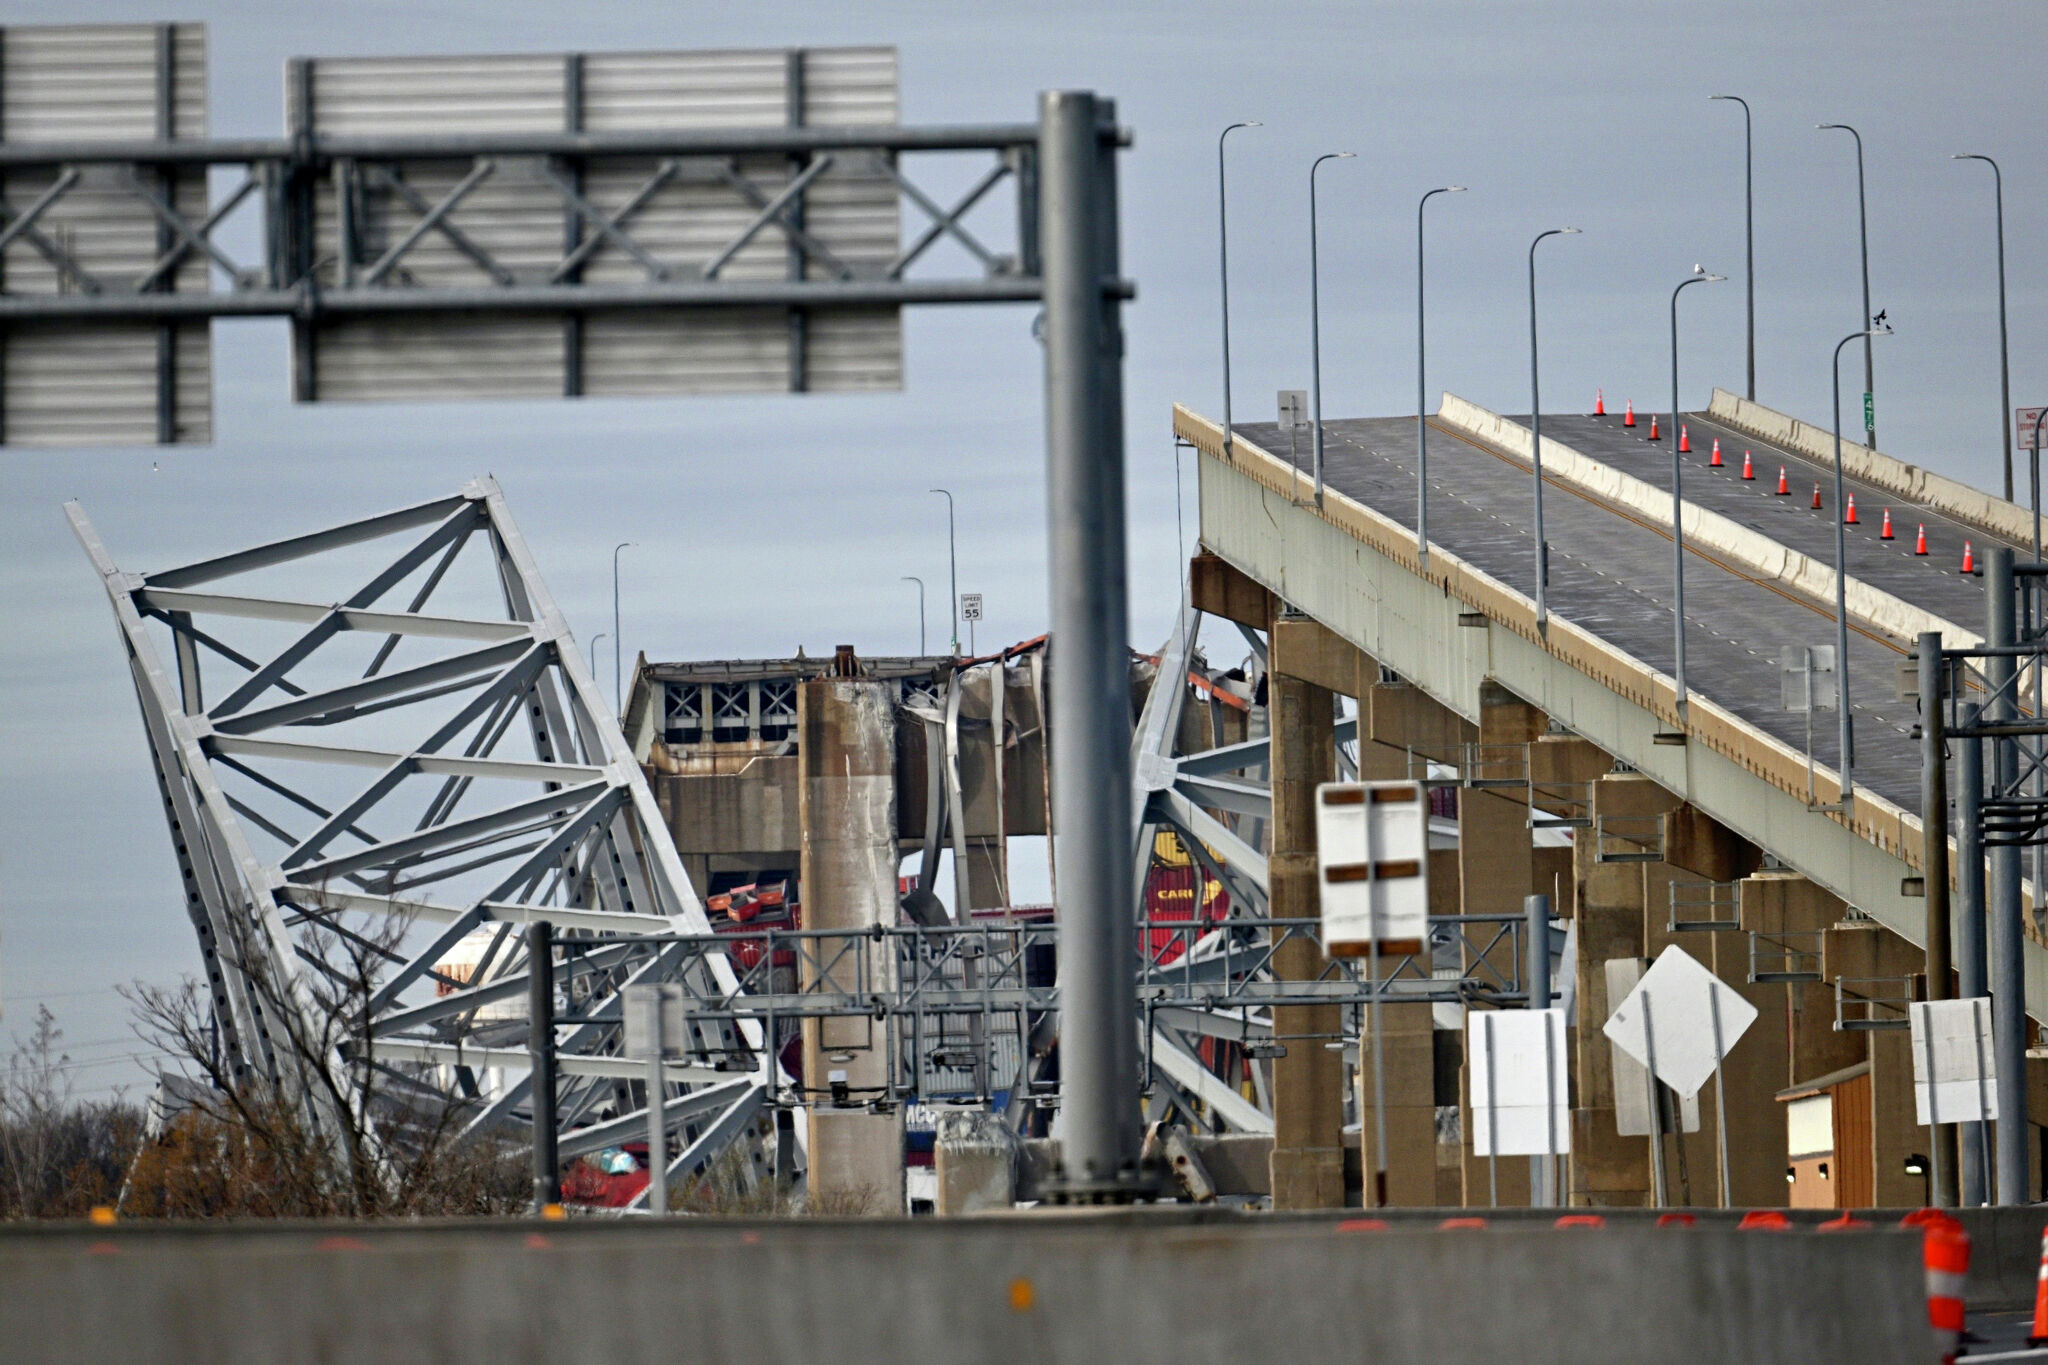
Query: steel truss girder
(294, 172)
(586, 848)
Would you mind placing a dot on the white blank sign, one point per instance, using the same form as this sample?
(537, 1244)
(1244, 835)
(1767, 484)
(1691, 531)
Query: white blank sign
(1372, 862)
(1516, 1109)
(1669, 1021)
(1954, 1078)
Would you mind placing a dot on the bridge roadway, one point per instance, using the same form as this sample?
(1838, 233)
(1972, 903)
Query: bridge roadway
(1610, 573)
(1934, 582)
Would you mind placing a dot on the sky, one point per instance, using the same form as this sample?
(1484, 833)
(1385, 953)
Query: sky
(766, 523)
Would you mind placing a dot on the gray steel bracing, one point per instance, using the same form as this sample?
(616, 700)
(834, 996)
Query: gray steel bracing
(326, 180)
(428, 829)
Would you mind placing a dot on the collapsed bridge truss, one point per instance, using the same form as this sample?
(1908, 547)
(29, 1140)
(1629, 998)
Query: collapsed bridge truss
(468, 779)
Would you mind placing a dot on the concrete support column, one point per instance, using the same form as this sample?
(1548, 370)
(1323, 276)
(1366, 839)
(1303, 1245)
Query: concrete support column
(1308, 1081)
(1496, 871)
(1757, 1068)
(847, 748)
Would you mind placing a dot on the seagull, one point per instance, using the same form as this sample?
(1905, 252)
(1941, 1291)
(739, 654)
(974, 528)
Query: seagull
(1879, 319)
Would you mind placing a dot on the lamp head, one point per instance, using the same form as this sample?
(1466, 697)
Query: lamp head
(1345, 156)
(1722, 97)
(1568, 231)
(1454, 189)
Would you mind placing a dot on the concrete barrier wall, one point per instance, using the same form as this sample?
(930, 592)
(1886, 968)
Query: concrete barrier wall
(1759, 553)
(2005, 1243)
(1139, 1286)
(1938, 491)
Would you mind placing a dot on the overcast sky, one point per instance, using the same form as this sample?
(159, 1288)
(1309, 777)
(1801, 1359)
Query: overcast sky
(767, 523)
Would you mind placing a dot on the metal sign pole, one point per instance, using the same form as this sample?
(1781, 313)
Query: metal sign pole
(1720, 1088)
(1536, 980)
(1546, 1195)
(1492, 1118)
(1656, 1110)
(1972, 978)
(657, 1111)
(1377, 1196)
(540, 974)
(1939, 1190)
(1091, 722)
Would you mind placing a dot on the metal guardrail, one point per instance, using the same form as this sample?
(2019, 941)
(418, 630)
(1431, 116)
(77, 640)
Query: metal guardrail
(1705, 907)
(1781, 957)
(1867, 1003)
(1628, 838)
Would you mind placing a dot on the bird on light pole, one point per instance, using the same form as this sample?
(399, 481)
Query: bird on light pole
(1223, 267)
(1843, 736)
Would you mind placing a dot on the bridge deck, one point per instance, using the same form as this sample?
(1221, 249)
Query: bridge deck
(1610, 573)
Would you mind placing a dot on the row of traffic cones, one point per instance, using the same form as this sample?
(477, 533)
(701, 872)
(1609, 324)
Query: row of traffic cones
(1715, 461)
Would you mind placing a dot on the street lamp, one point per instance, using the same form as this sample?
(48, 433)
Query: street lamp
(618, 700)
(1842, 736)
(913, 578)
(1748, 231)
(1223, 268)
(2004, 350)
(953, 559)
(1699, 276)
(1422, 388)
(601, 635)
(1536, 437)
(1863, 234)
(1315, 321)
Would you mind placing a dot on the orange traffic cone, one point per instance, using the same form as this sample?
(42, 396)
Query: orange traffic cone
(1684, 438)
(1884, 532)
(1920, 542)
(1716, 460)
(2040, 1332)
(1653, 428)
(1969, 559)
(1628, 416)
(1945, 1257)
(1599, 402)
(1816, 497)
(1748, 471)
(1784, 487)
(1849, 516)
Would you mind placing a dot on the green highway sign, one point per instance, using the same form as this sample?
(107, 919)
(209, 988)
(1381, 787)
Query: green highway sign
(1869, 412)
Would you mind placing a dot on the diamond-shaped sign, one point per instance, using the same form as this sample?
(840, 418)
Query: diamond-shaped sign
(1671, 1021)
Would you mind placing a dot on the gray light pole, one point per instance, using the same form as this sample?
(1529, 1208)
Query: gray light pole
(1863, 236)
(1223, 268)
(601, 635)
(1843, 734)
(1536, 437)
(1698, 276)
(913, 578)
(1091, 706)
(2004, 349)
(953, 562)
(1422, 387)
(1748, 230)
(1315, 319)
(618, 700)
